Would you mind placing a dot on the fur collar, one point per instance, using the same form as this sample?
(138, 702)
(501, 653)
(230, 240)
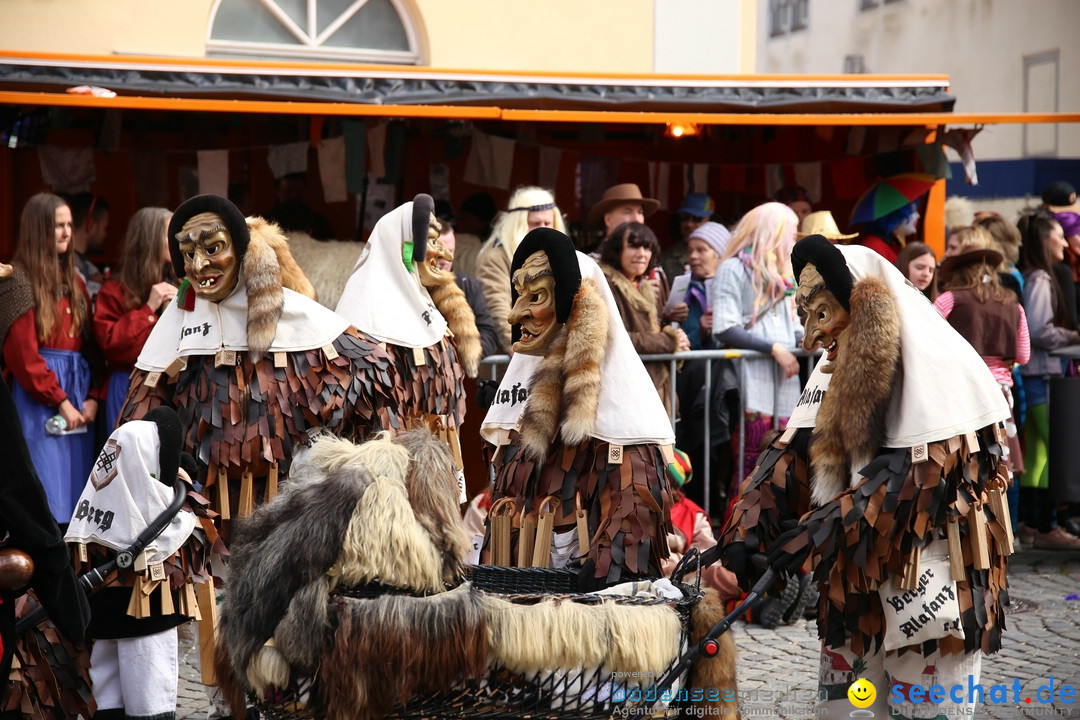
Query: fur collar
(642, 298)
(851, 424)
(566, 387)
(452, 304)
(268, 267)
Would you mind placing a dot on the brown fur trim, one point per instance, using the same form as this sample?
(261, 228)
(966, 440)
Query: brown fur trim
(851, 421)
(433, 494)
(642, 297)
(540, 420)
(586, 345)
(718, 671)
(292, 276)
(450, 301)
(262, 275)
(233, 689)
(392, 648)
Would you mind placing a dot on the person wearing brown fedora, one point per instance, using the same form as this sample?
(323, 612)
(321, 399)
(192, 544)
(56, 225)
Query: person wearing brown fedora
(621, 203)
(823, 223)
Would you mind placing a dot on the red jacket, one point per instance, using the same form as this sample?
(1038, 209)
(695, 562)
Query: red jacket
(24, 362)
(121, 332)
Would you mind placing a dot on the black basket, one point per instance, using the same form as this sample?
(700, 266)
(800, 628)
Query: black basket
(511, 695)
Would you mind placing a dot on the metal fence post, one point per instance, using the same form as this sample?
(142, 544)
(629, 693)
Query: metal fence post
(673, 397)
(707, 477)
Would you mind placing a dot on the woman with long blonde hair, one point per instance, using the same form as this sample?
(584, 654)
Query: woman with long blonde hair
(128, 306)
(47, 331)
(530, 207)
(752, 302)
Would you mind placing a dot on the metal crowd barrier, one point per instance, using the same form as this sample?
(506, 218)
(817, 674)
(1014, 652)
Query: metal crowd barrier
(741, 357)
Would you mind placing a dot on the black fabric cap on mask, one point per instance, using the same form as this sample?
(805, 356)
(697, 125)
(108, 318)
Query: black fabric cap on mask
(422, 208)
(230, 215)
(562, 256)
(170, 442)
(816, 250)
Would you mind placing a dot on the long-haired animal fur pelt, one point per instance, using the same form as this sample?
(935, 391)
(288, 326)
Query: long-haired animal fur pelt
(389, 649)
(450, 301)
(302, 529)
(385, 540)
(718, 671)
(267, 267)
(636, 641)
(851, 421)
(566, 386)
(433, 494)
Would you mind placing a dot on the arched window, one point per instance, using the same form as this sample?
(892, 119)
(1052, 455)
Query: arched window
(380, 31)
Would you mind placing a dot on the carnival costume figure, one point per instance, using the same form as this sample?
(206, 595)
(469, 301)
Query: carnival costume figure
(252, 364)
(890, 478)
(582, 440)
(136, 612)
(398, 295)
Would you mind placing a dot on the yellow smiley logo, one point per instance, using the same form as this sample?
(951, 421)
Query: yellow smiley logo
(861, 693)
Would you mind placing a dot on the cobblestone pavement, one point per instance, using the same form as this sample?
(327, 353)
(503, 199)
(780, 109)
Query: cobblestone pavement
(778, 668)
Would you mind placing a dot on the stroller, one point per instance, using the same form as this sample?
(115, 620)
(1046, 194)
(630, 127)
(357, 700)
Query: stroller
(581, 693)
(380, 619)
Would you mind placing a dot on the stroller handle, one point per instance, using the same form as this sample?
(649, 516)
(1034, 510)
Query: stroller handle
(706, 645)
(92, 579)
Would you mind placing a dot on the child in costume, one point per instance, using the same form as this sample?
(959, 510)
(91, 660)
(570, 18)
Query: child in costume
(891, 476)
(135, 615)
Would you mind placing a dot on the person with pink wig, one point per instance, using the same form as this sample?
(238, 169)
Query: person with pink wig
(753, 309)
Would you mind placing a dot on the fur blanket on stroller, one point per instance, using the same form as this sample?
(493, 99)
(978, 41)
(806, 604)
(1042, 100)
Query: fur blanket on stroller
(353, 575)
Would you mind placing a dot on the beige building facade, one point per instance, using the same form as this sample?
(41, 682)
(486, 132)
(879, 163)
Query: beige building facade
(598, 36)
(1002, 56)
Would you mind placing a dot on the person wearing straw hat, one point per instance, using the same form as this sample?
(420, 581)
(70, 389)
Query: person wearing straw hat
(988, 315)
(823, 223)
(619, 204)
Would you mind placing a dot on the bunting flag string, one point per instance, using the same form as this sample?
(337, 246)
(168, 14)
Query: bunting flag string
(363, 149)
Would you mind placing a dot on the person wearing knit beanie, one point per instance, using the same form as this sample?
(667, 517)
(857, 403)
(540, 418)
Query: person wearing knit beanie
(713, 234)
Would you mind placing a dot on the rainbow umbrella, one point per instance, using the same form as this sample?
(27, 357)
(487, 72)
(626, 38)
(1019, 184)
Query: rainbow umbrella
(889, 194)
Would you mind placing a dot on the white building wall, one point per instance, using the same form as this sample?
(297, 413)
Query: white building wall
(980, 44)
(704, 37)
